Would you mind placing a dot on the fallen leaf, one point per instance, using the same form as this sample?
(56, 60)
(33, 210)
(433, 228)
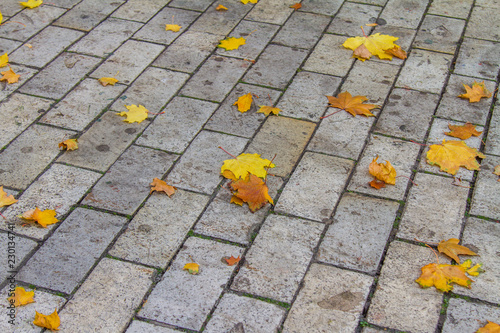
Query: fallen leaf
(4, 60)
(451, 155)
(28, 46)
(378, 184)
(107, 80)
(6, 200)
(253, 191)
(192, 268)
(442, 276)
(362, 52)
(384, 172)
(43, 217)
(397, 51)
(267, 110)
(491, 327)
(474, 270)
(172, 27)
(376, 44)
(10, 76)
(231, 43)
(244, 102)
(452, 249)
(244, 164)
(221, 8)
(1, 18)
(236, 201)
(475, 93)
(51, 321)
(232, 260)
(353, 105)
(31, 3)
(495, 172)
(161, 186)
(371, 24)
(135, 114)
(462, 131)
(296, 6)
(70, 144)
(21, 297)
(247, 1)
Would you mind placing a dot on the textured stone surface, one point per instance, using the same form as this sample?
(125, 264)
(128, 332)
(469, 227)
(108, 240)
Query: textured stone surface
(215, 22)
(451, 8)
(22, 247)
(302, 30)
(145, 327)
(88, 13)
(139, 10)
(483, 203)
(439, 34)
(350, 17)
(479, 58)
(493, 143)
(325, 7)
(328, 58)
(404, 13)
(482, 23)
(271, 11)
(463, 316)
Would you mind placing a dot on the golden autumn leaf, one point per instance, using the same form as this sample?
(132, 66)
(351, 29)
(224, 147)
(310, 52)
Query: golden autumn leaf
(232, 260)
(70, 144)
(244, 164)
(397, 51)
(1, 18)
(476, 92)
(474, 270)
(6, 200)
(172, 27)
(376, 45)
(236, 200)
(267, 110)
(221, 8)
(451, 155)
(353, 105)
(491, 327)
(495, 172)
(384, 172)
(107, 80)
(31, 3)
(10, 76)
(247, 1)
(161, 186)
(296, 6)
(43, 217)
(135, 114)
(253, 191)
(244, 102)
(378, 184)
(231, 43)
(51, 321)
(192, 268)
(21, 297)
(442, 276)
(452, 249)
(4, 59)
(463, 131)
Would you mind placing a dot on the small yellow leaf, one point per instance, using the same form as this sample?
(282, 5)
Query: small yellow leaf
(1, 18)
(231, 43)
(172, 27)
(135, 114)
(4, 60)
(247, 1)
(43, 217)
(6, 200)
(383, 172)
(491, 327)
(70, 144)
(244, 102)
(371, 24)
(452, 249)
(473, 271)
(51, 321)
(267, 110)
(221, 8)
(475, 93)
(192, 268)
(107, 80)
(495, 172)
(10, 76)
(21, 297)
(31, 3)
(244, 164)
(161, 186)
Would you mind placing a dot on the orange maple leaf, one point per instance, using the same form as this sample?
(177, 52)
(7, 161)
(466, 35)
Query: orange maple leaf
(491, 327)
(51, 321)
(43, 217)
(378, 184)
(397, 51)
(463, 132)
(244, 102)
(353, 105)
(452, 249)
(442, 276)
(451, 155)
(232, 260)
(221, 8)
(21, 297)
(6, 200)
(70, 144)
(253, 191)
(267, 110)
(384, 172)
(296, 6)
(475, 93)
(10, 76)
(161, 186)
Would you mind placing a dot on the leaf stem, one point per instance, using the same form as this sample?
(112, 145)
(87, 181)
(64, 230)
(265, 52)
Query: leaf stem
(270, 162)
(331, 114)
(420, 144)
(408, 179)
(227, 152)
(435, 253)
(363, 32)
(3, 216)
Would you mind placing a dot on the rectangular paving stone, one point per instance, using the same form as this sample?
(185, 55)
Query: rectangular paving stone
(425, 71)
(68, 255)
(129, 60)
(8, 45)
(139, 10)
(328, 58)
(65, 3)
(60, 75)
(397, 282)
(401, 154)
(453, 8)
(229, 120)
(199, 167)
(305, 97)
(11, 8)
(315, 186)
(215, 78)
(152, 89)
(439, 33)
(102, 143)
(188, 51)
(159, 228)
(483, 203)
(404, 13)
(22, 247)
(482, 23)
(220, 23)
(88, 14)
(464, 316)
(182, 120)
(351, 17)
(106, 37)
(138, 326)
(325, 7)
(244, 313)
(18, 112)
(479, 58)
(434, 199)
(109, 297)
(279, 257)
(493, 142)
(29, 154)
(271, 11)
(25, 74)
(199, 5)
(58, 188)
(179, 308)
(276, 66)
(154, 31)
(488, 3)
(46, 45)
(332, 298)
(356, 239)
(302, 30)
(372, 2)
(131, 174)
(407, 114)
(284, 137)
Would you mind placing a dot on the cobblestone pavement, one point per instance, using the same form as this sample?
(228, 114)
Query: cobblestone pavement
(332, 254)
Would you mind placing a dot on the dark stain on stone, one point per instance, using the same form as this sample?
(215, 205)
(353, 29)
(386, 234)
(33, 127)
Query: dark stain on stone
(144, 228)
(41, 111)
(207, 83)
(26, 150)
(345, 301)
(130, 130)
(402, 127)
(84, 16)
(386, 82)
(102, 148)
(238, 328)
(219, 59)
(395, 97)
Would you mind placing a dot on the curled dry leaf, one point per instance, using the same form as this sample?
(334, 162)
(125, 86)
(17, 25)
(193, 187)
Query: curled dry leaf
(451, 155)
(353, 105)
(476, 92)
(253, 191)
(135, 114)
(452, 249)
(463, 132)
(21, 297)
(378, 184)
(161, 186)
(70, 144)
(172, 27)
(43, 217)
(51, 321)
(10, 76)
(491, 327)
(107, 80)
(232, 260)
(4, 60)
(397, 51)
(296, 6)
(6, 200)
(31, 3)
(244, 164)
(192, 268)
(376, 44)
(442, 276)
(231, 43)
(383, 172)
(244, 102)
(221, 8)
(267, 110)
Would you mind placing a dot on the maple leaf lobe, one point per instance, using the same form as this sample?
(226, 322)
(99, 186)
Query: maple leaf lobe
(231, 43)
(135, 113)
(352, 104)
(244, 164)
(451, 155)
(51, 321)
(452, 249)
(253, 191)
(6, 200)
(21, 297)
(161, 186)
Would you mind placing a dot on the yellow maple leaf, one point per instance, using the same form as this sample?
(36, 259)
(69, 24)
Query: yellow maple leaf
(192, 268)
(442, 276)
(244, 102)
(491, 327)
(247, 1)
(244, 164)
(475, 93)
(474, 270)
(135, 114)
(70, 144)
(4, 59)
(253, 191)
(352, 104)
(384, 172)
(452, 249)
(107, 80)
(267, 110)
(463, 132)
(43, 217)
(451, 155)
(1, 18)
(10, 76)
(172, 27)
(6, 200)
(161, 186)
(31, 3)
(51, 321)
(21, 297)
(231, 43)
(496, 171)
(376, 45)
(221, 8)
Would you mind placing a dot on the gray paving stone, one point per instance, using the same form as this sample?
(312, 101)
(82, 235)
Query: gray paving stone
(360, 229)
(22, 247)
(284, 137)
(45, 46)
(479, 58)
(144, 327)
(29, 155)
(18, 112)
(8, 46)
(154, 30)
(200, 5)
(25, 74)
(488, 3)
(397, 281)
(372, 2)
(407, 114)
(328, 58)
(439, 33)
(463, 316)
(220, 23)
(215, 78)
(181, 122)
(325, 7)
(10, 8)
(58, 188)
(252, 315)
(153, 89)
(87, 14)
(199, 167)
(305, 97)
(434, 210)
(493, 142)
(188, 51)
(461, 109)
(106, 37)
(401, 154)
(276, 66)
(131, 174)
(228, 119)
(482, 23)
(453, 8)
(180, 308)
(278, 258)
(159, 228)
(483, 203)
(128, 61)
(331, 300)
(65, 3)
(101, 145)
(351, 17)
(139, 10)
(315, 186)
(404, 13)
(60, 75)
(302, 30)
(72, 250)
(271, 11)
(108, 298)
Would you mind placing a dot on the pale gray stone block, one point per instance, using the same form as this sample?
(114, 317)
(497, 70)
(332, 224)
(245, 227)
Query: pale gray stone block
(482, 23)
(139, 10)
(144, 327)
(325, 7)
(20, 250)
(351, 17)
(8, 45)
(488, 3)
(493, 142)
(440, 34)
(483, 202)
(453, 8)
(220, 23)
(199, 5)
(271, 11)
(372, 2)
(65, 3)
(329, 57)
(463, 316)
(404, 13)
(302, 30)
(479, 58)
(87, 14)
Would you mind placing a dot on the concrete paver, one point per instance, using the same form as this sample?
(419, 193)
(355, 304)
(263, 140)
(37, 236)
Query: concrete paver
(463, 316)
